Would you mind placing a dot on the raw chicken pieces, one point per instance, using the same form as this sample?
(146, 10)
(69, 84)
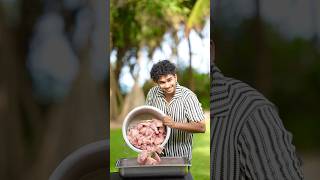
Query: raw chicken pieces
(150, 157)
(148, 136)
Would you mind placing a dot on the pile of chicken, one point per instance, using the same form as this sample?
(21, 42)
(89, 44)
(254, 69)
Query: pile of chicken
(148, 136)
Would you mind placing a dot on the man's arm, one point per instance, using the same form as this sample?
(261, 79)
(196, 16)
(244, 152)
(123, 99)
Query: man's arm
(266, 149)
(193, 127)
(193, 113)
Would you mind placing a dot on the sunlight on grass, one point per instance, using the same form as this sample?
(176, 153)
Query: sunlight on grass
(202, 151)
(200, 169)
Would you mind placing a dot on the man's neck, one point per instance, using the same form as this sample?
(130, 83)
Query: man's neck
(215, 71)
(168, 97)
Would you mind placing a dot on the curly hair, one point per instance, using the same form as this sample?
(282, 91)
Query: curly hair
(162, 68)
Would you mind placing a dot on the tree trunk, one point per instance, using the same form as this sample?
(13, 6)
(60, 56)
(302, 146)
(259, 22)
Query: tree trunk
(116, 99)
(191, 84)
(133, 99)
(119, 63)
(11, 128)
(79, 120)
(20, 118)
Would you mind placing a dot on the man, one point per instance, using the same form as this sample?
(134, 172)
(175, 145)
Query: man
(248, 139)
(183, 110)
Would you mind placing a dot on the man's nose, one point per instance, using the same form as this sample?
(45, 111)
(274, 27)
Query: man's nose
(166, 85)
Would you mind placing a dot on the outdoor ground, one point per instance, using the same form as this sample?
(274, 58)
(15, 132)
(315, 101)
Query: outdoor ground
(201, 154)
(200, 169)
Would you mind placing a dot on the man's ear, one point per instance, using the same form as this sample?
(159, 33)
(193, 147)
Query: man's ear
(176, 77)
(212, 52)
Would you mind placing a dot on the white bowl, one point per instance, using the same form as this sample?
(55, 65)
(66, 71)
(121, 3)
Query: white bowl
(143, 111)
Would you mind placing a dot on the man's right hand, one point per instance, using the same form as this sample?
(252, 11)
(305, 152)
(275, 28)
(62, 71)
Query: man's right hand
(168, 121)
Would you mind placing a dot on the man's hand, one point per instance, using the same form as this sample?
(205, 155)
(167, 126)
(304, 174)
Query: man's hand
(168, 121)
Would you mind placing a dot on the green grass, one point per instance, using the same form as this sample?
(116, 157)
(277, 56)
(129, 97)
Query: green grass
(118, 148)
(200, 169)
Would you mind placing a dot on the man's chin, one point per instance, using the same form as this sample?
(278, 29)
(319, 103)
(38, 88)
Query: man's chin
(169, 92)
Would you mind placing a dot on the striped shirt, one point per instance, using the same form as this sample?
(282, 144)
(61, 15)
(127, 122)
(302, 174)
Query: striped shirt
(248, 139)
(184, 107)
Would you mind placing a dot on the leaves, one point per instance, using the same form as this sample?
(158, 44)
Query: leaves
(143, 23)
(196, 20)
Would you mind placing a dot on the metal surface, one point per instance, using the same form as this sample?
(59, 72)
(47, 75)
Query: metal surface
(169, 166)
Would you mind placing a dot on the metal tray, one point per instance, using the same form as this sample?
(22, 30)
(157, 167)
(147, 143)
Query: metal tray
(169, 166)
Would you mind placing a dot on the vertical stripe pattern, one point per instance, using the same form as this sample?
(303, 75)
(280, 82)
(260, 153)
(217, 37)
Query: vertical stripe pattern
(184, 107)
(248, 139)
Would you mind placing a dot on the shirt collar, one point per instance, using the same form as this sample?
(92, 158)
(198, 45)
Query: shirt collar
(218, 86)
(215, 72)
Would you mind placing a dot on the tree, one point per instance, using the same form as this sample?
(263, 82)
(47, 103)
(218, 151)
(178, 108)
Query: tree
(137, 24)
(196, 21)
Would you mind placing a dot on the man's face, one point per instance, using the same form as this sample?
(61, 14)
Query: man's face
(167, 84)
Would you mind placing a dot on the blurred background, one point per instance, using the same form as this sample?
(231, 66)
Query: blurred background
(53, 83)
(142, 32)
(274, 46)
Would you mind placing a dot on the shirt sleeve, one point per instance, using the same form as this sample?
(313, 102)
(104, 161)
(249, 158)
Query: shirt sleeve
(266, 149)
(193, 108)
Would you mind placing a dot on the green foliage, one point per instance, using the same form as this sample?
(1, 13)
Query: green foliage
(147, 86)
(200, 9)
(201, 85)
(137, 23)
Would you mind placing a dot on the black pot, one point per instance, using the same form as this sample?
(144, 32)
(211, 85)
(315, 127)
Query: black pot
(88, 162)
